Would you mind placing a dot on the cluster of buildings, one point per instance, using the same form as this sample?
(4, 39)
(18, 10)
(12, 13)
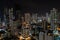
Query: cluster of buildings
(13, 19)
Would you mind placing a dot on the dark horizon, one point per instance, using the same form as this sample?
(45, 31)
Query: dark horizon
(36, 6)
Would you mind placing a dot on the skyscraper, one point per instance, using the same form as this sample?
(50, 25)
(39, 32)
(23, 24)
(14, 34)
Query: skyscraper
(11, 20)
(53, 14)
(34, 18)
(48, 17)
(26, 24)
(6, 17)
(27, 17)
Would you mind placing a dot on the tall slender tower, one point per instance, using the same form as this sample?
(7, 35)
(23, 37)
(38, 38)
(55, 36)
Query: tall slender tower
(54, 18)
(47, 17)
(11, 20)
(26, 25)
(6, 16)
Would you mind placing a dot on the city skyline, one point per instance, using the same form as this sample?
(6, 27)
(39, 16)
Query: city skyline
(31, 6)
(29, 20)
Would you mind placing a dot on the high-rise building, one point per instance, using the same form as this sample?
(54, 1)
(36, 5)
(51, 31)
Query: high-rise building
(48, 17)
(53, 14)
(11, 20)
(27, 17)
(6, 16)
(58, 17)
(34, 18)
(11, 16)
(26, 25)
(8, 20)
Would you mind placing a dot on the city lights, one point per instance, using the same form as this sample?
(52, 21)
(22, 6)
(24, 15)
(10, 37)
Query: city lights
(32, 25)
(29, 26)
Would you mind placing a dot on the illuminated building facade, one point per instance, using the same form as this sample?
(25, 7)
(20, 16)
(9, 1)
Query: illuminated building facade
(6, 16)
(48, 18)
(11, 20)
(53, 18)
(25, 25)
(34, 18)
(27, 17)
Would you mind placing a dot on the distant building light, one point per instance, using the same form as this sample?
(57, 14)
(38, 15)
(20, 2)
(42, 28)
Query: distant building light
(3, 24)
(21, 38)
(55, 32)
(39, 20)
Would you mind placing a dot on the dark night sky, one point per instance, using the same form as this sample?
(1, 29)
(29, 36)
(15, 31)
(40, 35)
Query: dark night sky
(40, 6)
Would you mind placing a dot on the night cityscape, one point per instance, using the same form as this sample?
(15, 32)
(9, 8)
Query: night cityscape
(29, 20)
